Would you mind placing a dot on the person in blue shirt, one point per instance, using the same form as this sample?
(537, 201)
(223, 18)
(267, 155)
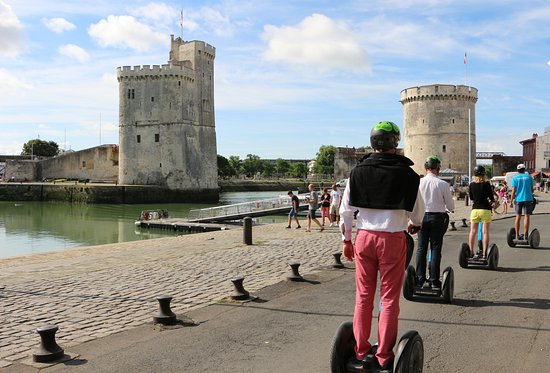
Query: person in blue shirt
(522, 195)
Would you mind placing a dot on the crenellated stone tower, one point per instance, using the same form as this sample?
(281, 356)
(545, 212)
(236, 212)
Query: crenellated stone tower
(435, 121)
(167, 129)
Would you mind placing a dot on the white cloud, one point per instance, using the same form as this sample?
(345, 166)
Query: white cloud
(158, 12)
(125, 32)
(219, 23)
(11, 84)
(74, 52)
(58, 25)
(11, 32)
(316, 41)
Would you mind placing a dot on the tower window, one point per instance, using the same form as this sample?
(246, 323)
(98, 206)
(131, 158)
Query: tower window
(131, 93)
(83, 164)
(444, 148)
(138, 138)
(157, 137)
(152, 99)
(453, 121)
(179, 83)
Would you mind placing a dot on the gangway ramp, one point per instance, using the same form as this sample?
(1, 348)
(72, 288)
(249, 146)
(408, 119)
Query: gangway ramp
(265, 207)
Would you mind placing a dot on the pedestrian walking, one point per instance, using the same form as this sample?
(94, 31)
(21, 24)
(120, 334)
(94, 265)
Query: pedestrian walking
(293, 210)
(313, 201)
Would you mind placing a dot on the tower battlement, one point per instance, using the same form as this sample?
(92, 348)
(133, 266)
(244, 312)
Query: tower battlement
(439, 92)
(166, 70)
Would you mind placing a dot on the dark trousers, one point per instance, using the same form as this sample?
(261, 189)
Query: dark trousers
(434, 226)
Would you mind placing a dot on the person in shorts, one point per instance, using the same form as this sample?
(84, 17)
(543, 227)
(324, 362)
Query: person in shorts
(313, 202)
(325, 207)
(293, 210)
(483, 200)
(522, 194)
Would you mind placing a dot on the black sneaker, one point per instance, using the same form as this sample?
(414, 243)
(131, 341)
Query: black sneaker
(298, 227)
(288, 227)
(520, 237)
(355, 365)
(386, 368)
(436, 284)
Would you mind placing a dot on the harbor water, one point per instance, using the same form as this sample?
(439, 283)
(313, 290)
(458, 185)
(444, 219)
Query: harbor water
(34, 227)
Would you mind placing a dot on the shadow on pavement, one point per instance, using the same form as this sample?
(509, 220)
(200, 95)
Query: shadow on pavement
(515, 270)
(534, 303)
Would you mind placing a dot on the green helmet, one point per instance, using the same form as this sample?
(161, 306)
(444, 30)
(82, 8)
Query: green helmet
(432, 163)
(384, 136)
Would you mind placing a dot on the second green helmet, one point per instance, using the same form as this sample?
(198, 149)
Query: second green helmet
(432, 163)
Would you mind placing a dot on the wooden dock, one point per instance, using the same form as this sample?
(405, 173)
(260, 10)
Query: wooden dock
(180, 225)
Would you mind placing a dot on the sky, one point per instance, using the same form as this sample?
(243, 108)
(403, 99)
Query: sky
(290, 76)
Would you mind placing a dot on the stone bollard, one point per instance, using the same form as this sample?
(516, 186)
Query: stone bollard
(337, 261)
(239, 293)
(48, 350)
(464, 224)
(165, 316)
(453, 228)
(295, 276)
(247, 230)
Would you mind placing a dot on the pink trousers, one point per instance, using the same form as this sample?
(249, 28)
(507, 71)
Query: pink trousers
(384, 252)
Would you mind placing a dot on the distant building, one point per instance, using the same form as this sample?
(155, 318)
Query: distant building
(542, 155)
(529, 153)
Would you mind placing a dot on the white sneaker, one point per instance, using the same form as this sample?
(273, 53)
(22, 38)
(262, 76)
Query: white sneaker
(331, 224)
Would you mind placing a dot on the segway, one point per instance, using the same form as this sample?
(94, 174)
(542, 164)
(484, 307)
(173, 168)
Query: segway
(409, 355)
(411, 289)
(533, 239)
(465, 260)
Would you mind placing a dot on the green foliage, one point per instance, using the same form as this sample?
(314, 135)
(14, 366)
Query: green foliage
(324, 163)
(268, 169)
(40, 148)
(488, 170)
(236, 163)
(298, 170)
(224, 168)
(252, 165)
(282, 166)
(364, 149)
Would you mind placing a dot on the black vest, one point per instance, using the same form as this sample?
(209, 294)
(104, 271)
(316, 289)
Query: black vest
(384, 181)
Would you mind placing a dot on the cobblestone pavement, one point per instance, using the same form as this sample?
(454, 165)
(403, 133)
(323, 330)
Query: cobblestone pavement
(93, 292)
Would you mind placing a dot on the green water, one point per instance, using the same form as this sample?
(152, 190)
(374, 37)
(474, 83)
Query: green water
(34, 227)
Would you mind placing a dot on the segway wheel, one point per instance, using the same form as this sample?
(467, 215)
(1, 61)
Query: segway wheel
(534, 238)
(343, 347)
(463, 255)
(410, 354)
(410, 248)
(408, 283)
(448, 285)
(492, 257)
(510, 237)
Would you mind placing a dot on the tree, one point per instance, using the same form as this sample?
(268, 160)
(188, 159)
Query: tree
(40, 148)
(268, 169)
(236, 163)
(281, 167)
(324, 163)
(299, 170)
(224, 168)
(252, 165)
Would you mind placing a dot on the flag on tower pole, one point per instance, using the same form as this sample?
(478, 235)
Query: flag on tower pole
(465, 59)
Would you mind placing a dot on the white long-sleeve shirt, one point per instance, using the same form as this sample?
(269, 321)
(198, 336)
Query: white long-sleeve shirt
(376, 219)
(436, 194)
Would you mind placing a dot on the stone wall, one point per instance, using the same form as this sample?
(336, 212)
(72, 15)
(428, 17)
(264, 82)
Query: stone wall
(18, 170)
(95, 164)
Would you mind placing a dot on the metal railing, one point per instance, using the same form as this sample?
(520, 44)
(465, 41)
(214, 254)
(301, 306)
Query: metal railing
(244, 208)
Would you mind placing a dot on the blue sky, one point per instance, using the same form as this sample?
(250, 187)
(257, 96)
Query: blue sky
(290, 76)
